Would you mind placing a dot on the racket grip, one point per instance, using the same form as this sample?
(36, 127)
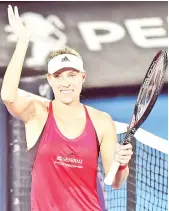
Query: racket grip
(111, 173)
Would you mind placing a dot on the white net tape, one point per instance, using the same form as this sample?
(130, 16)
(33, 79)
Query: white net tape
(145, 137)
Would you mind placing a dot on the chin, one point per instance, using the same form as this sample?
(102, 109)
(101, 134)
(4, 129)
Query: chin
(67, 101)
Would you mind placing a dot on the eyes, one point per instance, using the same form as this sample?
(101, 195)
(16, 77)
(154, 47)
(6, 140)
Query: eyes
(70, 75)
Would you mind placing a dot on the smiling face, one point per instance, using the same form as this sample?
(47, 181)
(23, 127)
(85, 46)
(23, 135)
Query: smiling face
(67, 85)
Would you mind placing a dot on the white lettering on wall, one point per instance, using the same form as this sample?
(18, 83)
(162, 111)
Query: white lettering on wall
(147, 32)
(88, 30)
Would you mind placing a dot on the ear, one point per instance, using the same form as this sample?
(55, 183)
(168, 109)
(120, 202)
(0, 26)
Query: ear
(83, 77)
(49, 79)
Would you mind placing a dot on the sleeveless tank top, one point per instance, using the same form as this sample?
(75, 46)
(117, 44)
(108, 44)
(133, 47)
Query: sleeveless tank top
(64, 173)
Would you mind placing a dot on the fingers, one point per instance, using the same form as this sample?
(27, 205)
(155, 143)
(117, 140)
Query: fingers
(123, 159)
(16, 13)
(127, 146)
(124, 149)
(13, 15)
(123, 153)
(18, 27)
(10, 14)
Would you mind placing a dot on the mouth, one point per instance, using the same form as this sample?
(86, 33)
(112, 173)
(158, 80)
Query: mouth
(67, 91)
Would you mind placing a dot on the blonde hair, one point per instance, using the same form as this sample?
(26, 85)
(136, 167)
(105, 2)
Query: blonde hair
(63, 51)
(66, 50)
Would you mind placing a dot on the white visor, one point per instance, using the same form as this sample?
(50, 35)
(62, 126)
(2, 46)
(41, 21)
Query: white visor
(65, 61)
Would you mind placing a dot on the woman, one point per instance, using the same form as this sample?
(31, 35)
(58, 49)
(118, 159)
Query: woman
(63, 136)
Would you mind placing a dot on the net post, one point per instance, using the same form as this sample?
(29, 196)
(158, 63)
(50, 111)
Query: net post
(18, 179)
(131, 180)
(3, 157)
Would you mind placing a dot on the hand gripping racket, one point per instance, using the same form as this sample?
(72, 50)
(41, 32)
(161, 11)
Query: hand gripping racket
(147, 96)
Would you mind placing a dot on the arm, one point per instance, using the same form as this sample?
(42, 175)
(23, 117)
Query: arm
(24, 93)
(19, 106)
(120, 177)
(13, 73)
(111, 151)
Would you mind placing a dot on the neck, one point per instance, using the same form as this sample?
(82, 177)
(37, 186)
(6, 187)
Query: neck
(67, 108)
(65, 112)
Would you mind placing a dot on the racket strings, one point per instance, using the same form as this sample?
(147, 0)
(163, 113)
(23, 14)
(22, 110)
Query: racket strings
(151, 86)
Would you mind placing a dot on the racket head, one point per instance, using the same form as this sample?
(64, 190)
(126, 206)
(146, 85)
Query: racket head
(149, 92)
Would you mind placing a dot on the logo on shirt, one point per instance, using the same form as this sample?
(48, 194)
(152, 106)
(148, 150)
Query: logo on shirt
(69, 162)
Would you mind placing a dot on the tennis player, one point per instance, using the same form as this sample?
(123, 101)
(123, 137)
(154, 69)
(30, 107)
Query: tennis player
(63, 136)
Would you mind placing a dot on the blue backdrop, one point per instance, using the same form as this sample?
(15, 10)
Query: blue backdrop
(121, 109)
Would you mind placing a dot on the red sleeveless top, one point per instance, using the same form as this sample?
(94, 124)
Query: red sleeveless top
(64, 173)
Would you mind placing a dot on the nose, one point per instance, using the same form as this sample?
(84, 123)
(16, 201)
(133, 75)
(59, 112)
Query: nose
(66, 85)
(66, 82)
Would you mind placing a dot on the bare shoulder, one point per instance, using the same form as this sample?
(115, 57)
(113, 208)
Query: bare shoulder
(102, 122)
(99, 115)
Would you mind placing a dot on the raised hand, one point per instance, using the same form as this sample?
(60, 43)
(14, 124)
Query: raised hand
(20, 30)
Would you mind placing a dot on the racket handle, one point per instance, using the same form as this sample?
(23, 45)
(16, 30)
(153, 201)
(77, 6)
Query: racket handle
(111, 173)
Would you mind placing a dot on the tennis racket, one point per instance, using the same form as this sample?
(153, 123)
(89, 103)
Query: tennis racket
(147, 96)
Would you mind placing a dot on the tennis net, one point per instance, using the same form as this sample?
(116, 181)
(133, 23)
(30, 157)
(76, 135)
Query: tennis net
(147, 185)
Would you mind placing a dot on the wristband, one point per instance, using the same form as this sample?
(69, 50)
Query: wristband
(122, 167)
